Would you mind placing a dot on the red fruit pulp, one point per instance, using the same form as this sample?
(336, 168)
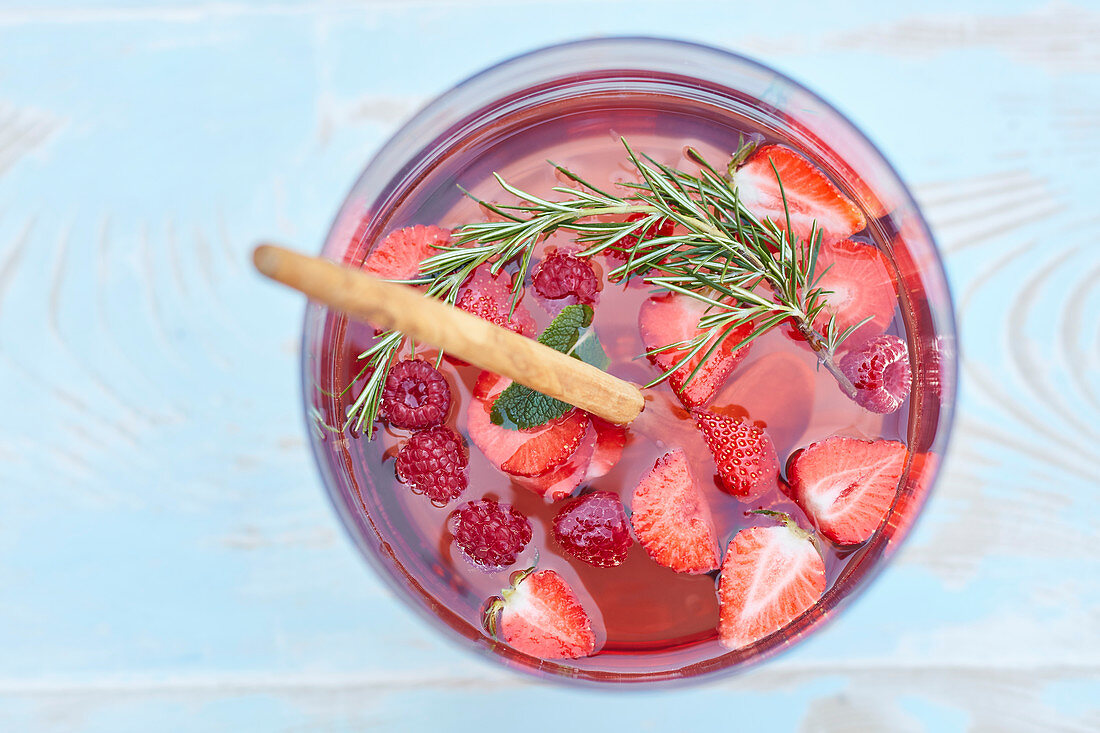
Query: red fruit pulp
(646, 617)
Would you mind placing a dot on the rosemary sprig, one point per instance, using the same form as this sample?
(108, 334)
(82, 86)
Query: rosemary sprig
(745, 270)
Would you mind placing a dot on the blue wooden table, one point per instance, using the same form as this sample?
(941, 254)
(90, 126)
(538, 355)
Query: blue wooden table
(167, 559)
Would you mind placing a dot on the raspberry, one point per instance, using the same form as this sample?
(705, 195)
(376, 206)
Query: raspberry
(879, 370)
(663, 228)
(594, 529)
(415, 395)
(491, 535)
(562, 275)
(433, 462)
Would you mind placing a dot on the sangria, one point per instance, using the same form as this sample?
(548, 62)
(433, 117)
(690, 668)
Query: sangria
(689, 221)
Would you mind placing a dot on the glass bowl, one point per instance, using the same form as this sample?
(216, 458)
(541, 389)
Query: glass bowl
(468, 123)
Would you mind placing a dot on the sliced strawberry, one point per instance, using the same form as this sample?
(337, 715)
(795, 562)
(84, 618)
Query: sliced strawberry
(846, 485)
(610, 441)
(551, 460)
(747, 463)
(398, 256)
(671, 319)
(549, 448)
(810, 195)
(561, 481)
(497, 443)
(489, 297)
(770, 576)
(672, 519)
(859, 286)
(865, 196)
(488, 385)
(542, 616)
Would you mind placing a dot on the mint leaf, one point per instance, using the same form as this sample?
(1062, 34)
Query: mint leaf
(564, 330)
(524, 408)
(519, 407)
(588, 349)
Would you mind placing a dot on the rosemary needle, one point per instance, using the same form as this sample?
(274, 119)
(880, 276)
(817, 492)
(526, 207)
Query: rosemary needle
(743, 269)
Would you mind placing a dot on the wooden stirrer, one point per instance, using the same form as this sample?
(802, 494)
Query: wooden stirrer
(429, 321)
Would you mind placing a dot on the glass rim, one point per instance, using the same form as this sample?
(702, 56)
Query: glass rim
(482, 90)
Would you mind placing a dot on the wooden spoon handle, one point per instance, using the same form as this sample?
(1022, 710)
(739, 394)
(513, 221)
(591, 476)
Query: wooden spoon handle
(429, 321)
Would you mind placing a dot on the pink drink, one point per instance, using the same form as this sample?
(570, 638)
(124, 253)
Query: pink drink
(650, 622)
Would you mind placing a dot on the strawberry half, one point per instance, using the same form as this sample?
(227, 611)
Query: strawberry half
(549, 448)
(671, 319)
(541, 616)
(551, 459)
(862, 192)
(672, 519)
(398, 256)
(770, 576)
(859, 286)
(610, 441)
(489, 297)
(846, 485)
(810, 195)
(561, 481)
(747, 463)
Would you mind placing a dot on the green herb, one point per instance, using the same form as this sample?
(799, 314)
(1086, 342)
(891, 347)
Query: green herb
(589, 350)
(563, 332)
(521, 408)
(525, 408)
(744, 269)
